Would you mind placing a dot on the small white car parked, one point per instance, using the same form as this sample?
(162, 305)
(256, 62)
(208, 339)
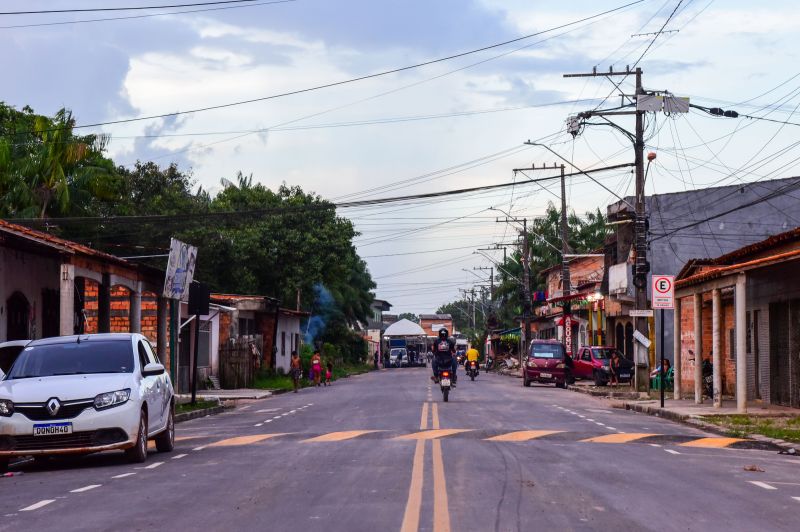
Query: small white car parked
(84, 394)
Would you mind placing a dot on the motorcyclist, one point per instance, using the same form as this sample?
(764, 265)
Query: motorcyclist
(444, 355)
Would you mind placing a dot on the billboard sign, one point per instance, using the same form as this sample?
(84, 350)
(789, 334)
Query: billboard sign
(180, 270)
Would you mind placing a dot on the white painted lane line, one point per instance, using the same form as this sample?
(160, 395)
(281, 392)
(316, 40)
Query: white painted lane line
(611, 428)
(762, 484)
(292, 411)
(796, 498)
(86, 488)
(267, 421)
(654, 444)
(258, 425)
(267, 410)
(670, 451)
(590, 419)
(199, 448)
(601, 424)
(37, 505)
(178, 456)
(124, 475)
(582, 417)
(153, 465)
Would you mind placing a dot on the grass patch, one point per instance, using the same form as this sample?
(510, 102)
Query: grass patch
(267, 381)
(739, 425)
(199, 405)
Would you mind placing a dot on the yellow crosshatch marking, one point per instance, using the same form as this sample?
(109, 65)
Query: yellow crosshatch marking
(244, 440)
(523, 435)
(618, 438)
(340, 436)
(432, 434)
(712, 443)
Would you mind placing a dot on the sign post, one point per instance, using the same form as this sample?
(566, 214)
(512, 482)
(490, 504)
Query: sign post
(663, 298)
(180, 272)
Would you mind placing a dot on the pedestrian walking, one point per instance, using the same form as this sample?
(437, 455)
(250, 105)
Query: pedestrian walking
(297, 370)
(377, 358)
(328, 372)
(316, 367)
(614, 368)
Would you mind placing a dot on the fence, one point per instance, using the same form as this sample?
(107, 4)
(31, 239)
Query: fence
(239, 359)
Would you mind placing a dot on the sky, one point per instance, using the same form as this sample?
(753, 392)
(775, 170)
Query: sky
(453, 124)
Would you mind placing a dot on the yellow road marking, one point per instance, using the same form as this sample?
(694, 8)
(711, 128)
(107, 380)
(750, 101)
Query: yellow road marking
(152, 445)
(431, 434)
(523, 435)
(618, 438)
(244, 440)
(711, 443)
(414, 503)
(441, 509)
(340, 436)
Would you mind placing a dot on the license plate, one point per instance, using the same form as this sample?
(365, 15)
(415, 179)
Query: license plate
(624, 375)
(445, 382)
(546, 375)
(51, 429)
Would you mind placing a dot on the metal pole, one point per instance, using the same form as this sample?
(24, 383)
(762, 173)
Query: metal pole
(526, 305)
(174, 319)
(193, 376)
(661, 344)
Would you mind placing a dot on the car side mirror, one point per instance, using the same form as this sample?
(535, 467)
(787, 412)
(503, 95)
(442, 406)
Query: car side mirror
(153, 369)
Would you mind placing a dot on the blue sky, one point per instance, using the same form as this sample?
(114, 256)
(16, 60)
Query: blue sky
(725, 50)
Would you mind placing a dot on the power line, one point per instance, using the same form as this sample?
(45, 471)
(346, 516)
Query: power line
(148, 15)
(359, 78)
(128, 8)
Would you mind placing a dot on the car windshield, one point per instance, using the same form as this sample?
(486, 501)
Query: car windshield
(110, 356)
(397, 352)
(547, 351)
(603, 353)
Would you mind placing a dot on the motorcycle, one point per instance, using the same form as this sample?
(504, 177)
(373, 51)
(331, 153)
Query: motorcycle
(472, 368)
(444, 383)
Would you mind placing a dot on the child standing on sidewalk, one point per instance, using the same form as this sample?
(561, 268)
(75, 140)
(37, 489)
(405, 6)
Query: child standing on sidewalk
(328, 372)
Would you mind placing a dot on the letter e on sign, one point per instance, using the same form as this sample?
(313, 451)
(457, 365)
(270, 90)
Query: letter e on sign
(663, 291)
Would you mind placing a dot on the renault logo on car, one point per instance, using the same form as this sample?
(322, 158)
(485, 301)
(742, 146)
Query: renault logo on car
(53, 406)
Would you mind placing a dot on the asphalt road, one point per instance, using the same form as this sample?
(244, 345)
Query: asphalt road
(383, 452)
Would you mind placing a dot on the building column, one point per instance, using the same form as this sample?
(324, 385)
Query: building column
(698, 348)
(740, 304)
(716, 344)
(590, 327)
(104, 305)
(161, 329)
(66, 325)
(135, 313)
(676, 351)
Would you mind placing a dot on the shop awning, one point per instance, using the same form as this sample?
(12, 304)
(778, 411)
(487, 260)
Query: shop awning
(571, 297)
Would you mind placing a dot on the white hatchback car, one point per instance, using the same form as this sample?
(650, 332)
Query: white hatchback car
(84, 394)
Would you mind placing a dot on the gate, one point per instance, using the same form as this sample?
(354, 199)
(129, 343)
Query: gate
(239, 360)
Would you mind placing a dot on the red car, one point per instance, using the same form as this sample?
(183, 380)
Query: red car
(547, 362)
(594, 363)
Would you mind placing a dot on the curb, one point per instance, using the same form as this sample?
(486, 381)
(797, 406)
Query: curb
(696, 422)
(186, 416)
(600, 393)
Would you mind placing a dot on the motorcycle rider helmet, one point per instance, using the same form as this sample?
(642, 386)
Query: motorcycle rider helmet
(443, 333)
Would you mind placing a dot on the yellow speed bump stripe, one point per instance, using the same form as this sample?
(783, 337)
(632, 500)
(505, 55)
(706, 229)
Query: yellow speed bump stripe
(340, 436)
(244, 440)
(713, 443)
(618, 438)
(523, 435)
(432, 434)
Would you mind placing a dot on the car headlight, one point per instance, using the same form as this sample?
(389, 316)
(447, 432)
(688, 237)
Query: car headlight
(109, 399)
(6, 408)
(531, 363)
(560, 366)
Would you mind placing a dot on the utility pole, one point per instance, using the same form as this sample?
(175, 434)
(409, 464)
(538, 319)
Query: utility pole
(526, 306)
(641, 265)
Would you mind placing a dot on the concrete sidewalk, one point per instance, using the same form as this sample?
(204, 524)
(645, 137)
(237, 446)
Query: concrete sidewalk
(229, 395)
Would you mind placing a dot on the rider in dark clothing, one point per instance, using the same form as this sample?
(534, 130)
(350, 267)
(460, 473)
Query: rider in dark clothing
(444, 351)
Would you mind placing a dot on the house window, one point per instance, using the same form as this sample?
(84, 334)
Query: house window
(732, 343)
(247, 327)
(204, 347)
(283, 343)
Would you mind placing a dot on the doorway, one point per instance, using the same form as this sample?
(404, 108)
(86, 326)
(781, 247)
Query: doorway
(629, 341)
(18, 315)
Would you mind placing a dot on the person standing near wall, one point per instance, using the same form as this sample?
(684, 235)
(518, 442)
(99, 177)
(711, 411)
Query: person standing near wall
(297, 370)
(316, 367)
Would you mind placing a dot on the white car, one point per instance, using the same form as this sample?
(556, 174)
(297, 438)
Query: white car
(84, 394)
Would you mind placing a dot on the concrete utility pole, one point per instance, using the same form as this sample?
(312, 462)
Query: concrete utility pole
(526, 306)
(641, 265)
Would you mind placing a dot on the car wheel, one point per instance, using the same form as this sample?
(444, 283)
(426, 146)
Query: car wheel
(598, 380)
(138, 453)
(165, 441)
(526, 382)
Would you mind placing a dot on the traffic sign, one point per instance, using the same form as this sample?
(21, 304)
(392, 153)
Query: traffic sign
(663, 294)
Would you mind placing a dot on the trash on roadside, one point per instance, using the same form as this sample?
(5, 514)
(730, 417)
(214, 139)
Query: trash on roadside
(792, 451)
(753, 468)
(12, 474)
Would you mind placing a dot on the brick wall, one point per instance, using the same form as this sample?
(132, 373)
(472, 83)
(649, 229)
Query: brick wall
(91, 292)
(120, 309)
(150, 316)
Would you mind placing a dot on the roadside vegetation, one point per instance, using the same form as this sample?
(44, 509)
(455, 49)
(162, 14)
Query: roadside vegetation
(782, 428)
(199, 405)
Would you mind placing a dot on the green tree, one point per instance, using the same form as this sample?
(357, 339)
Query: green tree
(410, 316)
